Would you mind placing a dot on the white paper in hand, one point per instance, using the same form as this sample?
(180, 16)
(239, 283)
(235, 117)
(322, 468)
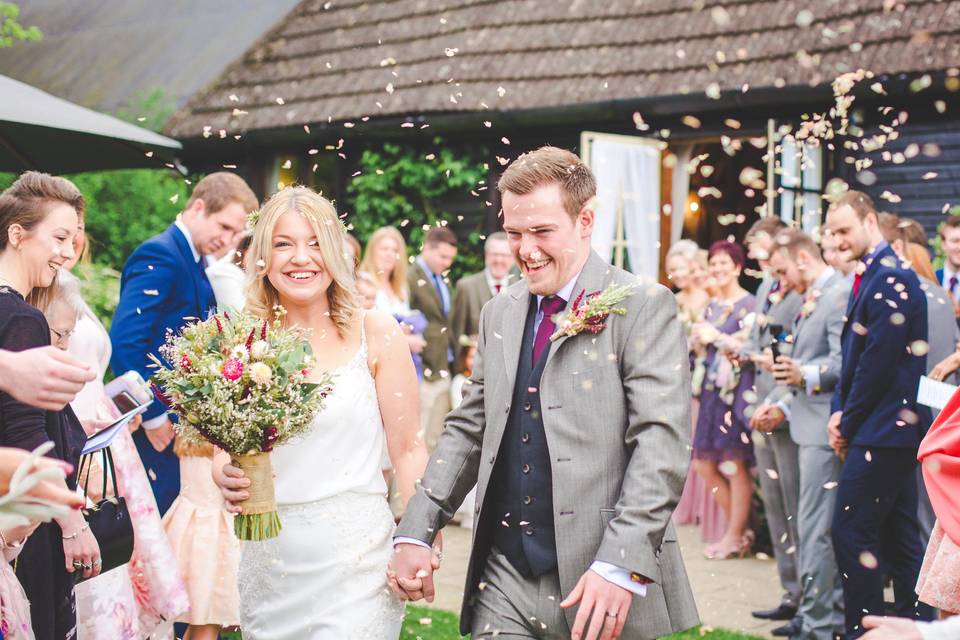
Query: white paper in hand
(104, 437)
(933, 393)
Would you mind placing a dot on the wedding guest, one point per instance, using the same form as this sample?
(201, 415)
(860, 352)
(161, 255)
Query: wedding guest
(943, 335)
(776, 452)
(386, 260)
(226, 275)
(696, 505)
(140, 597)
(367, 290)
(938, 584)
(44, 377)
(876, 420)
(722, 451)
(806, 377)
(949, 274)
(905, 629)
(836, 259)
(205, 548)
(352, 250)
(39, 215)
(468, 352)
(164, 284)
(914, 233)
(430, 294)
(946, 367)
(473, 291)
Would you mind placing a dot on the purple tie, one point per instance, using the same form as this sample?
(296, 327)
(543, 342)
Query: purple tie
(548, 307)
(953, 285)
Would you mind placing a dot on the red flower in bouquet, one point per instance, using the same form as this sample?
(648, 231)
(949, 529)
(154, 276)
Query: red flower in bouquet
(232, 369)
(185, 363)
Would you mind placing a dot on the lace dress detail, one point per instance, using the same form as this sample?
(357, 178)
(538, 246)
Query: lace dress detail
(324, 575)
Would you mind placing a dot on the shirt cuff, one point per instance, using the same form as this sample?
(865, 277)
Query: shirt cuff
(783, 406)
(619, 576)
(154, 423)
(811, 373)
(406, 540)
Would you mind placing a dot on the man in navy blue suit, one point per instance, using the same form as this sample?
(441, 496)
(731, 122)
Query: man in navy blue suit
(876, 424)
(162, 287)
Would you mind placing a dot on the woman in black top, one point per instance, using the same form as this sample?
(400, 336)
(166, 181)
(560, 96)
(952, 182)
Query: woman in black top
(38, 219)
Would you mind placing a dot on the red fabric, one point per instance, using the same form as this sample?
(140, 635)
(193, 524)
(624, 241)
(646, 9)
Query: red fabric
(549, 307)
(856, 284)
(939, 454)
(498, 287)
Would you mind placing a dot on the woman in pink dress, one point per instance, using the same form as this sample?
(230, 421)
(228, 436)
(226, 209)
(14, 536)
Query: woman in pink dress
(939, 454)
(685, 270)
(144, 596)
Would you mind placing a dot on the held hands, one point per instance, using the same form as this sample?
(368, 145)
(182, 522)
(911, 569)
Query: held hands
(787, 371)
(834, 437)
(766, 418)
(410, 571)
(603, 603)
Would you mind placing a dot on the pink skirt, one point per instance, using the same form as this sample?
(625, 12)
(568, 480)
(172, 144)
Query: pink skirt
(939, 581)
(697, 505)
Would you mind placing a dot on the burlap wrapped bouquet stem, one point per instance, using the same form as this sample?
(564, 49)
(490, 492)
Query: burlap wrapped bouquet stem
(259, 520)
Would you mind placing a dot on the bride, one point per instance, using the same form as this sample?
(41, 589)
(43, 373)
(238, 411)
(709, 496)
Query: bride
(324, 575)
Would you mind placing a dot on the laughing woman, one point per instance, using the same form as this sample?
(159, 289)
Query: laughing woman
(39, 216)
(324, 575)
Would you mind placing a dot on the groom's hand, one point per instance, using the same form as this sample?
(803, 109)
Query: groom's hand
(607, 603)
(410, 572)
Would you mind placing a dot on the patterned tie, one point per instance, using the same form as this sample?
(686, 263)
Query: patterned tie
(548, 307)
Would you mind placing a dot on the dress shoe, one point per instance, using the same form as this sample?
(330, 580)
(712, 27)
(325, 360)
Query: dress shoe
(792, 628)
(782, 612)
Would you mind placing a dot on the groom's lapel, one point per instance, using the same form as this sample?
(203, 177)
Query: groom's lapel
(514, 321)
(592, 278)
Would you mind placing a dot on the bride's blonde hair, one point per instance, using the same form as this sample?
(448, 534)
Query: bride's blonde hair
(322, 217)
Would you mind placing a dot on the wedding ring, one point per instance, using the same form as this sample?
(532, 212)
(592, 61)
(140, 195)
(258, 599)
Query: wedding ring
(611, 614)
(87, 567)
(77, 564)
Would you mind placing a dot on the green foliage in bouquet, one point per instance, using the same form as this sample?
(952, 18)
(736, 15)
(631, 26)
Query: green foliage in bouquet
(240, 383)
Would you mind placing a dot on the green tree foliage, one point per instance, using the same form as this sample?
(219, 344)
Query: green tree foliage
(11, 31)
(413, 189)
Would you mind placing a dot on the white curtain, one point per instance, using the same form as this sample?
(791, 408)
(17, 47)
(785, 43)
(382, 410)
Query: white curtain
(679, 189)
(628, 173)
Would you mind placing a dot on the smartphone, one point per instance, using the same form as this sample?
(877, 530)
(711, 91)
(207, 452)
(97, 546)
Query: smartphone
(776, 334)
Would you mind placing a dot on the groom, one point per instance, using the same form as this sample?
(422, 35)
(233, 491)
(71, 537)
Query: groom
(578, 447)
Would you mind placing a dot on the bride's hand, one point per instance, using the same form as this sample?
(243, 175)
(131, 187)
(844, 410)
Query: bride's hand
(232, 483)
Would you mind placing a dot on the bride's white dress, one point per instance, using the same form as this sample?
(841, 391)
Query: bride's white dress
(324, 575)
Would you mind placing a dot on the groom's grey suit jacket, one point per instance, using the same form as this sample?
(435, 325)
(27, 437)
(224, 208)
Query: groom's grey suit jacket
(817, 342)
(616, 412)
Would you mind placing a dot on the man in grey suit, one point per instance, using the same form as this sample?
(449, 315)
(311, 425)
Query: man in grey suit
(776, 453)
(806, 379)
(577, 443)
(475, 290)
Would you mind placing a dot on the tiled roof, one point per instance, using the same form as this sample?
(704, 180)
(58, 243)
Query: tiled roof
(339, 60)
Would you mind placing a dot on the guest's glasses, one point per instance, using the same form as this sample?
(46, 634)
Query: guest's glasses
(62, 336)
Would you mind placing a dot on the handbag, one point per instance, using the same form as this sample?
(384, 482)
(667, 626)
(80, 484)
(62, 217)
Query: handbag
(109, 519)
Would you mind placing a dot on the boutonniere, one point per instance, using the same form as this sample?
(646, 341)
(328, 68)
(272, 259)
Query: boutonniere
(809, 303)
(775, 297)
(589, 312)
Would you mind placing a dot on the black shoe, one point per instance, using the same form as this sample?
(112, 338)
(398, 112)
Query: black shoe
(792, 628)
(782, 612)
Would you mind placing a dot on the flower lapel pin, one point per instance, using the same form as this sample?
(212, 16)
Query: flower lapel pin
(589, 312)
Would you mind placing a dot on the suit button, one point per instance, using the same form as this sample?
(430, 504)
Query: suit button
(492, 458)
(527, 500)
(527, 406)
(526, 468)
(525, 438)
(529, 530)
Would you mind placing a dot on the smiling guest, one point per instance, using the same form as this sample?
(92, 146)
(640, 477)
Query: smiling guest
(39, 216)
(163, 286)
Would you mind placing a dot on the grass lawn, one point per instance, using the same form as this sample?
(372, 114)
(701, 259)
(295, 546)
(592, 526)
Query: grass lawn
(431, 624)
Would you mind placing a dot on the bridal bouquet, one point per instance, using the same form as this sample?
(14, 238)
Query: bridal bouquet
(240, 383)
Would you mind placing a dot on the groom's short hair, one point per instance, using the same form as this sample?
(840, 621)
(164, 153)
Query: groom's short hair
(547, 165)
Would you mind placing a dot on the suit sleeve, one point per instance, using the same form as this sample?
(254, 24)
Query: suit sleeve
(148, 282)
(458, 315)
(452, 470)
(656, 381)
(830, 368)
(886, 343)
